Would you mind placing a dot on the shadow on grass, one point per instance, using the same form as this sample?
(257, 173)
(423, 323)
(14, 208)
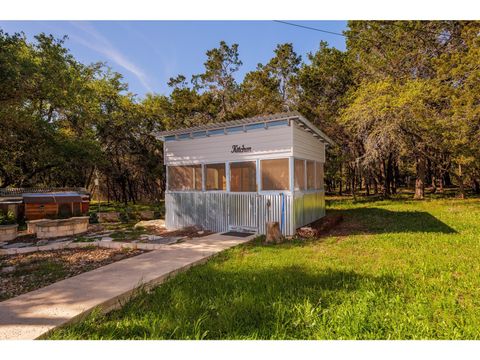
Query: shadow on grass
(377, 220)
(285, 302)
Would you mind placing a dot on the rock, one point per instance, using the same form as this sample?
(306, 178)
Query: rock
(106, 238)
(201, 232)
(274, 235)
(165, 240)
(112, 216)
(8, 269)
(61, 240)
(3, 243)
(146, 215)
(17, 245)
(320, 227)
(157, 224)
(42, 242)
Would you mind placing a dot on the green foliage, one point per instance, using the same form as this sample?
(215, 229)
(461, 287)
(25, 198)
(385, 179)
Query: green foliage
(395, 269)
(7, 218)
(93, 217)
(401, 103)
(82, 239)
(62, 121)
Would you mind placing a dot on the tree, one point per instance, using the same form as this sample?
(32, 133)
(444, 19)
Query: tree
(390, 120)
(458, 69)
(218, 79)
(283, 67)
(258, 94)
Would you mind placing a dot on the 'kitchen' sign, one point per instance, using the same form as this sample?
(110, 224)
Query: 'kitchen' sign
(241, 149)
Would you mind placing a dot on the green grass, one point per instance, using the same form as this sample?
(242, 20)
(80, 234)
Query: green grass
(118, 206)
(128, 233)
(394, 269)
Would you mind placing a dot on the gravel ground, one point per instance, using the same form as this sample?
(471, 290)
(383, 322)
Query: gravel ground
(22, 273)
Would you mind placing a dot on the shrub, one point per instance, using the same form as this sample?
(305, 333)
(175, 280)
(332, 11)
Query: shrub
(93, 218)
(8, 218)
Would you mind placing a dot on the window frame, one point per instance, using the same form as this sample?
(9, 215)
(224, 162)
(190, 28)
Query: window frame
(229, 177)
(168, 188)
(304, 175)
(226, 176)
(306, 190)
(322, 181)
(260, 174)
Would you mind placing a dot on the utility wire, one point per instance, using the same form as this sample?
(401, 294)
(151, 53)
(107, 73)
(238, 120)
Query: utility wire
(381, 22)
(309, 28)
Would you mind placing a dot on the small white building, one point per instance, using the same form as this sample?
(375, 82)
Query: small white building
(241, 174)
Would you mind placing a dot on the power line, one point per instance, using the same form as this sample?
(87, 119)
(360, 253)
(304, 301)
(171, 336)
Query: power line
(309, 28)
(390, 23)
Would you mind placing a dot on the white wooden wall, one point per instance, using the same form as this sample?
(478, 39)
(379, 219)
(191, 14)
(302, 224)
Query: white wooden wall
(275, 142)
(305, 146)
(265, 143)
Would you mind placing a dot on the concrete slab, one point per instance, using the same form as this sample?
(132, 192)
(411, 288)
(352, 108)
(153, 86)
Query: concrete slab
(34, 314)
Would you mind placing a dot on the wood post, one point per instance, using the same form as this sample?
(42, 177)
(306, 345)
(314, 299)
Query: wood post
(274, 235)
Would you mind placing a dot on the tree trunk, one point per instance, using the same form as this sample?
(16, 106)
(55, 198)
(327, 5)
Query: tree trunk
(396, 177)
(434, 184)
(476, 186)
(420, 179)
(460, 182)
(385, 178)
(341, 181)
(389, 175)
(447, 179)
(274, 235)
(354, 184)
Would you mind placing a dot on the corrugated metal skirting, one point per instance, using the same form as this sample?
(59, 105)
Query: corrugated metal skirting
(223, 211)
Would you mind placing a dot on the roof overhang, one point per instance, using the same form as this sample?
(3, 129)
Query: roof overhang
(60, 198)
(265, 120)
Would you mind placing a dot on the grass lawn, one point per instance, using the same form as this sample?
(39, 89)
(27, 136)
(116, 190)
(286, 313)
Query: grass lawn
(118, 206)
(393, 269)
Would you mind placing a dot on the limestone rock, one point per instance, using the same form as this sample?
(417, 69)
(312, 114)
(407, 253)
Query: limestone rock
(17, 245)
(157, 224)
(146, 215)
(8, 269)
(111, 216)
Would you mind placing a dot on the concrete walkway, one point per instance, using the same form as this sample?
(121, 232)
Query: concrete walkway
(33, 314)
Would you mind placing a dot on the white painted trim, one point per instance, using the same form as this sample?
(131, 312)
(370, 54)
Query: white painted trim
(291, 163)
(227, 174)
(305, 174)
(258, 176)
(204, 178)
(166, 177)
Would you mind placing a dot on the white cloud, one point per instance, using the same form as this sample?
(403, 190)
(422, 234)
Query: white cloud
(100, 44)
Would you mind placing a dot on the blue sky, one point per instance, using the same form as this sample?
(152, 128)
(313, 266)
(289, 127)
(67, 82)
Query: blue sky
(148, 53)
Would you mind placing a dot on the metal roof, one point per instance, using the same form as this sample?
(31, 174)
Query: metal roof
(294, 116)
(18, 192)
(66, 197)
